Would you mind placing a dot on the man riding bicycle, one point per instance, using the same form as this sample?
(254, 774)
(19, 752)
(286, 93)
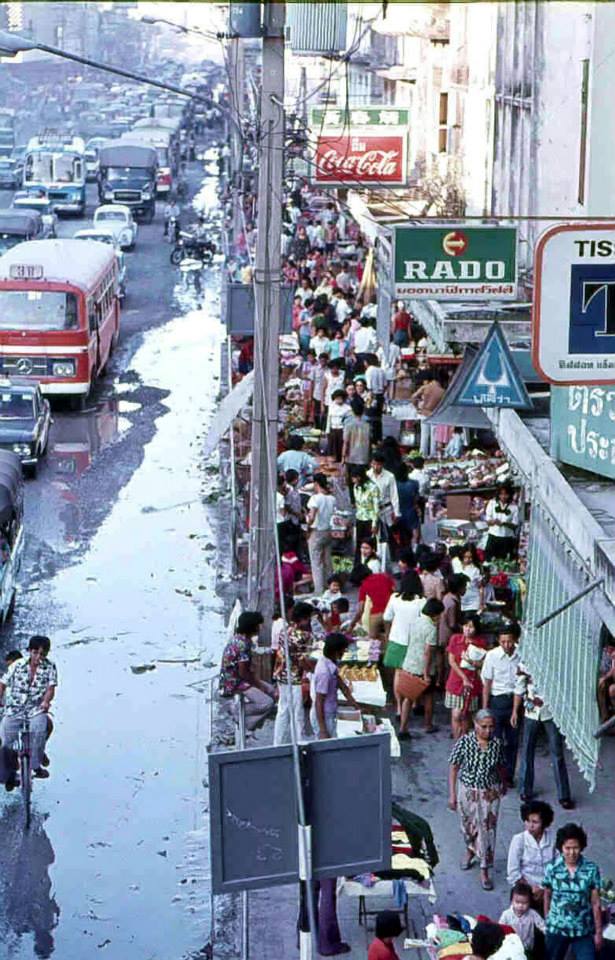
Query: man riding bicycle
(27, 688)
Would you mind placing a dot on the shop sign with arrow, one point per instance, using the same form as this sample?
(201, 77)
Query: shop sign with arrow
(455, 262)
(493, 379)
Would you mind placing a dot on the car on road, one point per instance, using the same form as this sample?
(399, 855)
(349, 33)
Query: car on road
(25, 420)
(19, 225)
(106, 235)
(9, 177)
(118, 218)
(40, 202)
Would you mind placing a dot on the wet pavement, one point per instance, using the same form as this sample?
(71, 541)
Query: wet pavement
(119, 572)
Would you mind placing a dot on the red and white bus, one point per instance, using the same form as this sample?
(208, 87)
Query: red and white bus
(59, 313)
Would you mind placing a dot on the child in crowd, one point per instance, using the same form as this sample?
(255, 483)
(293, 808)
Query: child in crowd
(334, 588)
(339, 608)
(388, 928)
(337, 412)
(524, 920)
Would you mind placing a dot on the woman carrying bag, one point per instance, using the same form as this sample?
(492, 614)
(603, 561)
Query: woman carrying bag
(416, 677)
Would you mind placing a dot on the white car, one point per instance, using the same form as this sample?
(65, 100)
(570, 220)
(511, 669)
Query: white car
(106, 235)
(118, 219)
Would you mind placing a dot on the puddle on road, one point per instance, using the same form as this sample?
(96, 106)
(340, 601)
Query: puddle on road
(122, 854)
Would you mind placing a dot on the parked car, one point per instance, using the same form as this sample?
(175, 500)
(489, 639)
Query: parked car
(106, 235)
(118, 218)
(25, 419)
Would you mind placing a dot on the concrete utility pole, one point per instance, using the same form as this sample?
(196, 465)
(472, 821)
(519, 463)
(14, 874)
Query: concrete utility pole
(236, 68)
(267, 318)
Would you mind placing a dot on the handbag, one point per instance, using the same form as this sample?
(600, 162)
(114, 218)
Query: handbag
(409, 686)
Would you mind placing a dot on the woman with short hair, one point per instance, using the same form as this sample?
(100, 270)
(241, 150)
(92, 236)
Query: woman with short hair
(476, 785)
(572, 898)
(532, 850)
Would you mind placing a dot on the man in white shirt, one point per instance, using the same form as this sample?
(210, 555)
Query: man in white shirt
(365, 341)
(421, 476)
(389, 500)
(536, 713)
(320, 512)
(499, 676)
(341, 306)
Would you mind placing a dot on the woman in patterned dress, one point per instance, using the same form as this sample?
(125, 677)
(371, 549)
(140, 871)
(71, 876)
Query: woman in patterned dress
(476, 785)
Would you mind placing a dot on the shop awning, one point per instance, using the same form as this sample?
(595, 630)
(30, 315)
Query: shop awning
(227, 411)
(449, 413)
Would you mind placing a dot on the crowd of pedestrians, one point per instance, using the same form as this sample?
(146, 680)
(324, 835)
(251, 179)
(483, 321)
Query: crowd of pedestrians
(350, 490)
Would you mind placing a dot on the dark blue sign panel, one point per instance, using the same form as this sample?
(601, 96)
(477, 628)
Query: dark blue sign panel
(254, 814)
(592, 308)
(493, 379)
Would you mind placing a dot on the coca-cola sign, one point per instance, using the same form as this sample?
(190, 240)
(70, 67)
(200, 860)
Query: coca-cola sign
(361, 159)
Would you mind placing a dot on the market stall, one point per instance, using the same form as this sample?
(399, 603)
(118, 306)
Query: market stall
(410, 878)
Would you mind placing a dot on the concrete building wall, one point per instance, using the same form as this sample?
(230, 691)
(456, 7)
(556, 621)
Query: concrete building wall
(554, 68)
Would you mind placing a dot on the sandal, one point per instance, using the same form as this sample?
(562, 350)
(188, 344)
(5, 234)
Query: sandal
(487, 884)
(467, 863)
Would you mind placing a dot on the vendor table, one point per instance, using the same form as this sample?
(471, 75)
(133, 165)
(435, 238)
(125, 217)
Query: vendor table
(354, 728)
(368, 692)
(384, 889)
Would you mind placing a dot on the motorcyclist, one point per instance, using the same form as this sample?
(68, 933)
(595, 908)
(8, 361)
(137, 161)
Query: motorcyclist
(171, 211)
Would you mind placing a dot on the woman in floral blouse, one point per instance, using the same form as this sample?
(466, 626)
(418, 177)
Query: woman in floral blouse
(476, 785)
(572, 898)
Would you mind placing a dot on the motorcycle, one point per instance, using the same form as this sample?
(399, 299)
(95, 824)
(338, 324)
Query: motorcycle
(188, 246)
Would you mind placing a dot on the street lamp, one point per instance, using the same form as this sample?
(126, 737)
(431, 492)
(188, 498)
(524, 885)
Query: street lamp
(209, 35)
(11, 44)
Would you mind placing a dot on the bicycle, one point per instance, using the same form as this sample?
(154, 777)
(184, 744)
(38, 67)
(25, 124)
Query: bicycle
(24, 757)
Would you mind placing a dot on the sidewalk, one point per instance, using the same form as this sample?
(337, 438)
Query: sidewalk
(420, 783)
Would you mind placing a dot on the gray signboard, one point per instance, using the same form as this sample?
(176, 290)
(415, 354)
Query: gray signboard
(239, 309)
(245, 19)
(349, 805)
(347, 792)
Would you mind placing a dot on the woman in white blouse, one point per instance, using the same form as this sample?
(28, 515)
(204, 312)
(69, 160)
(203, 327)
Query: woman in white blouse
(472, 600)
(534, 848)
(502, 516)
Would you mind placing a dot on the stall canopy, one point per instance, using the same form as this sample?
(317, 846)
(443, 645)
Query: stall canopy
(453, 415)
(563, 655)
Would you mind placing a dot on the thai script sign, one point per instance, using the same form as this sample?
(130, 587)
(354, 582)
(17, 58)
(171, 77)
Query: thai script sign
(583, 427)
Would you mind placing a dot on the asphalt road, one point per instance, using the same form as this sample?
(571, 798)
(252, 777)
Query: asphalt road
(119, 573)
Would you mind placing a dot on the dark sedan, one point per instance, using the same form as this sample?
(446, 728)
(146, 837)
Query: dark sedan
(25, 419)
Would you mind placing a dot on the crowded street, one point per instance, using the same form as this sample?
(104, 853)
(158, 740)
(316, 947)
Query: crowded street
(307, 605)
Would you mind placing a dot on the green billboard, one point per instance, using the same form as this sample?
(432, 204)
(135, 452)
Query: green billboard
(583, 427)
(455, 262)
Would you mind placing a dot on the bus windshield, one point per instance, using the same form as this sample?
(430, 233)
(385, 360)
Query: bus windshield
(52, 168)
(38, 310)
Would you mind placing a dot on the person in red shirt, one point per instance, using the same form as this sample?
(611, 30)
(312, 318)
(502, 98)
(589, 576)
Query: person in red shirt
(388, 927)
(378, 587)
(401, 326)
(464, 686)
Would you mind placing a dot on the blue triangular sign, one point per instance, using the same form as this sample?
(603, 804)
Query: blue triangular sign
(493, 379)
